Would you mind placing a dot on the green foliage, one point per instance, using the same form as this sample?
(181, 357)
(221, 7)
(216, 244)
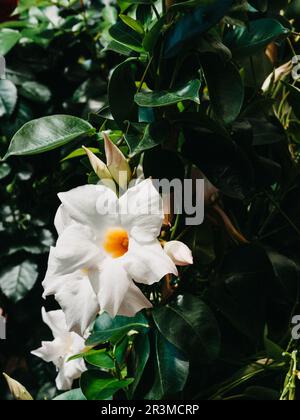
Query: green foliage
(179, 88)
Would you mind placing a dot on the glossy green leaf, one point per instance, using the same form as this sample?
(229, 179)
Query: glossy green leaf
(47, 133)
(171, 370)
(35, 92)
(133, 24)
(188, 92)
(73, 395)
(16, 282)
(143, 137)
(113, 330)
(5, 170)
(189, 324)
(225, 86)
(8, 39)
(121, 91)
(99, 358)
(247, 40)
(140, 356)
(95, 385)
(127, 36)
(152, 37)
(8, 97)
(190, 26)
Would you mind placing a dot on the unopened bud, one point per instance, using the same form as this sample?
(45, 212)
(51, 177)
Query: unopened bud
(18, 391)
(117, 163)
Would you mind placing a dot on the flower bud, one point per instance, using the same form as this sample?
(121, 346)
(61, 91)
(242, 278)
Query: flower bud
(100, 169)
(179, 253)
(18, 391)
(117, 163)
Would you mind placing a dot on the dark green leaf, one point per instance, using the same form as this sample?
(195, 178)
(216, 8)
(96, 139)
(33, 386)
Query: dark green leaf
(121, 91)
(188, 92)
(95, 385)
(225, 87)
(47, 133)
(244, 41)
(193, 24)
(36, 92)
(141, 353)
(113, 330)
(189, 324)
(145, 136)
(8, 97)
(171, 370)
(5, 170)
(127, 36)
(16, 282)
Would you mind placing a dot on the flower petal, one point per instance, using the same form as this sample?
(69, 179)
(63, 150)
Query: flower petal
(51, 351)
(68, 372)
(134, 301)
(148, 263)
(56, 321)
(77, 299)
(141, 211)
(75, 249)
(92, 205)
(62, 219)
(179, 252)
(113, 285)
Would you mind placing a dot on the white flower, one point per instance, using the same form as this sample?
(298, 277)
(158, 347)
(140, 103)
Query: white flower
(179, 253)
(58, 351)
(104, 244)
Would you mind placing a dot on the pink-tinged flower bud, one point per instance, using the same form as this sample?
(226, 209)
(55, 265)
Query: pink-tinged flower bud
(98, 166)
(117, 163)
(179, 253)
(100, 169)
(18, 391)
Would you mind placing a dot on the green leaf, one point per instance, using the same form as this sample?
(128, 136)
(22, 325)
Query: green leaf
(8, 39)
(133, 24)
(16, 282)
(140, 355)
(8, 97)
(5, 170)
(35, 92)
(47, 133)
(247, 40)
(127, 36)
(99, 358)
(143, 137)
(152, 37)
(121, 91)
(189, 324)
(225, 86)
(73, 395)
(114, 330)
(188, 92)
(191, 25)
(95, 385)
(171, 370)
(80, 152)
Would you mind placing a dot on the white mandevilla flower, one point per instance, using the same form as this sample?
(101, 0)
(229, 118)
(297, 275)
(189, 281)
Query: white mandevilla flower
(105, 243)
(58, 351)
(179, 252)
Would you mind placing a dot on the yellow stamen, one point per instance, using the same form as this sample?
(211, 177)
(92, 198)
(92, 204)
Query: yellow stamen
(116, 242)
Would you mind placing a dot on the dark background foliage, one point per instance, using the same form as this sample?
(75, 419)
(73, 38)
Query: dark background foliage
(230, 316)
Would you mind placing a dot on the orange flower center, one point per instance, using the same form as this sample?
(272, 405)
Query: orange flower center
(116, 242)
